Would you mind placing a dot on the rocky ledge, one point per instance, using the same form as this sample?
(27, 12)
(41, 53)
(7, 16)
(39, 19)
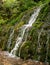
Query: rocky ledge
(6, 60)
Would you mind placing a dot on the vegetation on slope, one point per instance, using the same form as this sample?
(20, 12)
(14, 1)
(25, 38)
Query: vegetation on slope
(14, 14)
(30, 47)
(11, 14)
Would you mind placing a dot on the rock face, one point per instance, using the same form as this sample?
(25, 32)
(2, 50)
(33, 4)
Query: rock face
(5, 60)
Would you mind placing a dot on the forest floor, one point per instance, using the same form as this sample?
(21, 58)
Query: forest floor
(6, 60)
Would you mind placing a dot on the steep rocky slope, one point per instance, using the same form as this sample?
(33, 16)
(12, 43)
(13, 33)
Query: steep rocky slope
(13, 15)
(37, 45)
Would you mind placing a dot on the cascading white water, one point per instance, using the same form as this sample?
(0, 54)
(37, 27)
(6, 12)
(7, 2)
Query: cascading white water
(23, 29)
(47, 43)
(10, 38)
(39, 38)
(39, 46)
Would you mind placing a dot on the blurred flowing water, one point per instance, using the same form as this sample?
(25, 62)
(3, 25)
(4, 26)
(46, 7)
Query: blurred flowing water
(22, 32)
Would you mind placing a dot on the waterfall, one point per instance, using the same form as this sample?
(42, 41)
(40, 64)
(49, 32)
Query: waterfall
(10, 38)
(23, 30)
(47, 44)
(23, 43)
(39, 45)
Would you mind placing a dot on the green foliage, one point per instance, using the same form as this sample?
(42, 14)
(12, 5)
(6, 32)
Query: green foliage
(8, 3)
(15, 13)
(29, 49)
